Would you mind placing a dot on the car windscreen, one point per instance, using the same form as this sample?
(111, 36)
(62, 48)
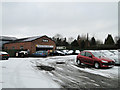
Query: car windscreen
(97, 54)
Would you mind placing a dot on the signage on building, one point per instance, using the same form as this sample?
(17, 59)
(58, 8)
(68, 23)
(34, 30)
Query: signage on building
(45, 40)
(44, 46)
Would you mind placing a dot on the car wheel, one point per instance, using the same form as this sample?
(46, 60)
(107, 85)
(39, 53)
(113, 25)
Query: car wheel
(78, 62)
(96, 65)
(22, 55)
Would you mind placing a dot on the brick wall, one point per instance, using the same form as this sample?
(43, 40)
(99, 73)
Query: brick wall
(26, 45)
(31, 45)
(40, 42)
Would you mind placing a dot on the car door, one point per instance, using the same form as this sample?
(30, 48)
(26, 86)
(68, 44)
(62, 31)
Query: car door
(88, 58)
(82, 57)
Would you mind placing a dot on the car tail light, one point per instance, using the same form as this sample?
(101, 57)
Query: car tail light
(7, 54)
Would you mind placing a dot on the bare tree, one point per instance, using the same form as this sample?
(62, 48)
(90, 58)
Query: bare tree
(70, 39)
(116, 38)
(99, 42)
(58, 36)
(83, 37)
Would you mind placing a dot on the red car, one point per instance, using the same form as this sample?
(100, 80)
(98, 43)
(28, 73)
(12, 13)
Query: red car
(95, 59)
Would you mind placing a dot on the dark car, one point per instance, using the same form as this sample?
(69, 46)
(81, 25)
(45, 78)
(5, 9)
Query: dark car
(4, 55)
(40, 53)
(57, 53)
(95, 59)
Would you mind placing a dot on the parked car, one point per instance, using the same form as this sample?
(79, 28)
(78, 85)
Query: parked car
(112, 54)
(95, 59)
(65, 51)
(4, 55)
(116, 56)
(22, 53)
(40, 53)
(106, 52)
(57, 53)
(70, 52)
(114, 51)
(77, 52)
(60, 53)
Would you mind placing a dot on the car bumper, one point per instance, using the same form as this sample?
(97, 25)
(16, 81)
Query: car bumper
(111, 64)
(5, 57)
(107, 66)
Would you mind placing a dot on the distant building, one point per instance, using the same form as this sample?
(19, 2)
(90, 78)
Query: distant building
(32, 44)
(5, 39)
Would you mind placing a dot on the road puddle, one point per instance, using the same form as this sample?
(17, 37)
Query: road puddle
(46, 68)
(60, 62)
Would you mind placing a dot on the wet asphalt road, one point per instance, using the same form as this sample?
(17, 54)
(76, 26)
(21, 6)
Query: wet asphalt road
(66, 75)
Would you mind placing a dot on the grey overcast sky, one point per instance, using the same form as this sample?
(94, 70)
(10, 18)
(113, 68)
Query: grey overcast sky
(70, 19)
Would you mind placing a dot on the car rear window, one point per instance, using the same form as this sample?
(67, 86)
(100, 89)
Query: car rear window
(82, 53)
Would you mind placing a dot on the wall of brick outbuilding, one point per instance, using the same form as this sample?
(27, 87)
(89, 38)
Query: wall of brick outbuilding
(40, 42)
(26, 45)
(31, 45)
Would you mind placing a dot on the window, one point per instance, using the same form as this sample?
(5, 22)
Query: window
(88, 54)
(45, 40)
(83, 54)
(97, 54)
(21, 47)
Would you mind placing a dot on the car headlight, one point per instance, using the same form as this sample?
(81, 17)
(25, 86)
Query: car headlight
(104, 61)
(114, 60)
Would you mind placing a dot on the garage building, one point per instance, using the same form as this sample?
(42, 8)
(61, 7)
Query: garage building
(32, 44)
